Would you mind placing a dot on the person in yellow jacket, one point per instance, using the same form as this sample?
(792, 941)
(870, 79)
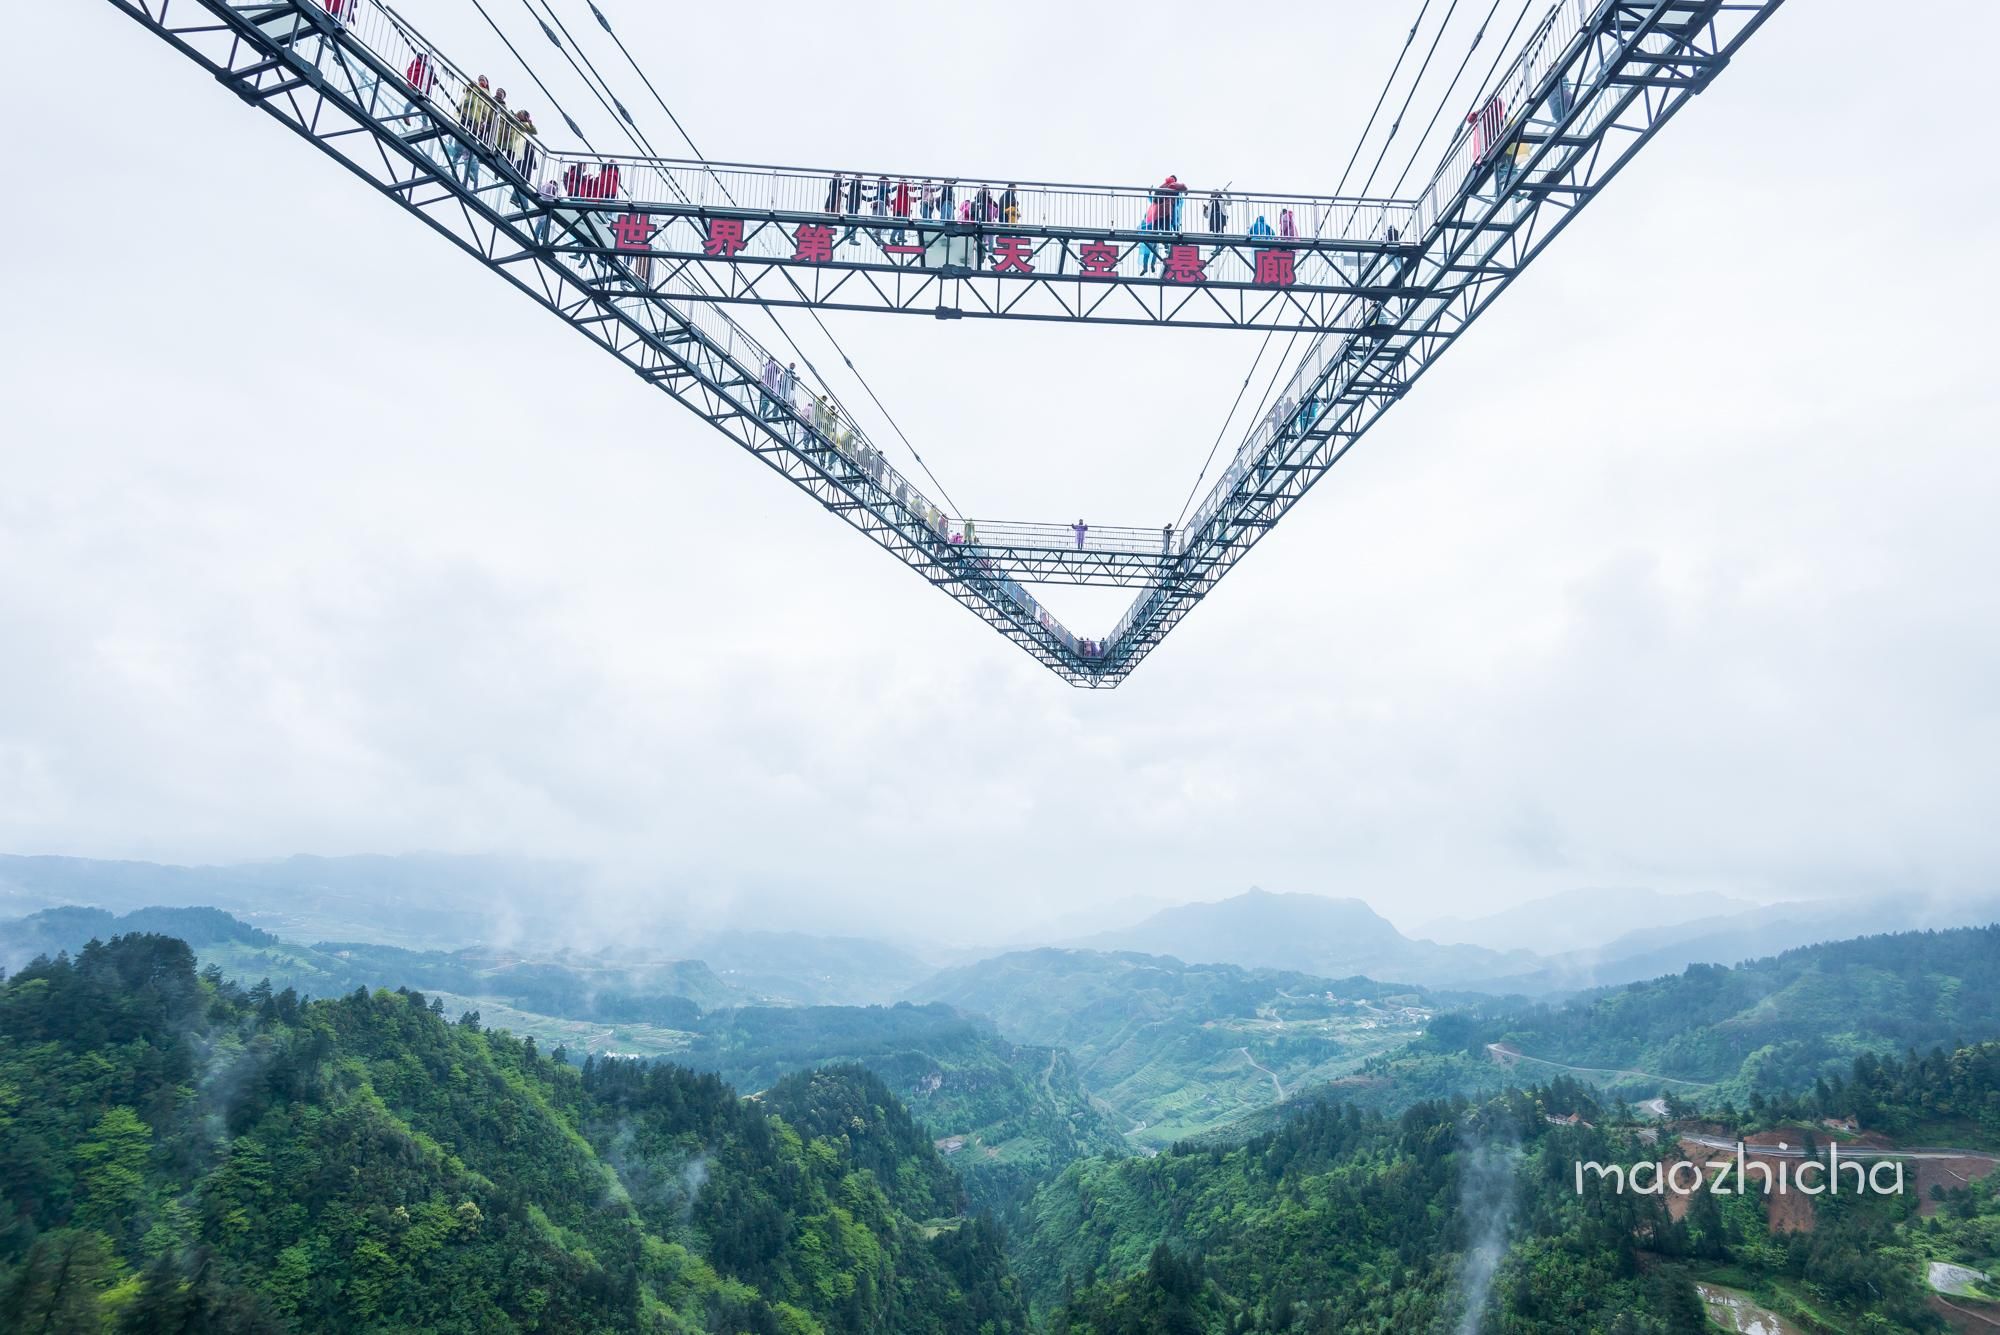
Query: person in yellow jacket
(525, 125)
(475, 113)
(502, 130)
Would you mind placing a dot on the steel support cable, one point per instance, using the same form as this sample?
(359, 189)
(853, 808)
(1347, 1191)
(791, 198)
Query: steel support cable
(1277, 370)
(529, 70)
(1425, 137)
(1408, 98)
(798, 291)
(1485, 82)
(701, 157)
(608, 100)
(631, 130)
(1409, 40)
(1382, 97)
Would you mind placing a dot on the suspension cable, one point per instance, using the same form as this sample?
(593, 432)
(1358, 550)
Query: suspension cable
(1485, 82)
(778, 324)
(1422, 139)
(1409, 97)
(1382, 97)
(529, 70)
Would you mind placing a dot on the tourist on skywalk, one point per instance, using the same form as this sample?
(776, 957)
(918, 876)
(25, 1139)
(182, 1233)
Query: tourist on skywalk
(833, 194)
(547, 195)
(853, 203)
(1010, 207)
(767, 405)
(506, 130)
(1260, 229)
(1080, 529)
(1167, 195)
(1218, 212)
(475, 113)
(494, 134)
(899, 205)
(927, 197)
(1166, 538)
(529, 132)
(421, 75)
(948, 197)
(988, 208)
(1288, 226)
(788, 385)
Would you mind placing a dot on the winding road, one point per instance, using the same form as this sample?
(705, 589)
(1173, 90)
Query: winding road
(1500, 1052)
(1267, 1071)
(1846, 1152)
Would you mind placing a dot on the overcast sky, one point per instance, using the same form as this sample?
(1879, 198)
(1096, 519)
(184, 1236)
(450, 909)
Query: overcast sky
(1678, 571)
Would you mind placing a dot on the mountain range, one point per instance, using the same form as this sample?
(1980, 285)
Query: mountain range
(1308, 934)
(1562, 943)
(1341, 937)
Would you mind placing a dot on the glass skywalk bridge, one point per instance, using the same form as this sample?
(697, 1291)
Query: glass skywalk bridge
(643, 256)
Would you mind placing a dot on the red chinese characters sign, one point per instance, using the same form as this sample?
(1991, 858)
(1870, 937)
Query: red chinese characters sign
(1276, 268)
(815, 244)
(1099, 259)
(1184, 265)
(632, 231)
(725, 238)
(1010, 254)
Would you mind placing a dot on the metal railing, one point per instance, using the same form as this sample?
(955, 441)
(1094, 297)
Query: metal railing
(587, 182)
(1471, 147)
(1077, 537)
(882, 198)
(793, 406)
(868, 197)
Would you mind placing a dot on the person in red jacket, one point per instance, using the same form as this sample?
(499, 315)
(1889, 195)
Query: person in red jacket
(899, 204)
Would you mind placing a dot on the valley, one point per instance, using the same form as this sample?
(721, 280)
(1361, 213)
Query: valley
(1116, 1114)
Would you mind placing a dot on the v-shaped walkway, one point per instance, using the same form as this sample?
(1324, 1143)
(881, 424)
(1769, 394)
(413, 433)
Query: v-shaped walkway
(643, 256)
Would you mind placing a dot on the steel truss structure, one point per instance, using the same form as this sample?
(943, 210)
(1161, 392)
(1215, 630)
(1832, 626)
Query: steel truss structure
(645, 257)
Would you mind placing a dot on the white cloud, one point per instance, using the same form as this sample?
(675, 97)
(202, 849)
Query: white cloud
(1676, 570)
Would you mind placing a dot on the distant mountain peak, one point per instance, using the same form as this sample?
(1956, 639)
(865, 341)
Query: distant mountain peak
(1326, 935)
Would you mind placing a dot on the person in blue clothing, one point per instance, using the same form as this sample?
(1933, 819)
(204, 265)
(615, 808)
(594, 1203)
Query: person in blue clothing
(1261, 229)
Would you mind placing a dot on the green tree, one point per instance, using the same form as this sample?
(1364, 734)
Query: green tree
(111, 1168)
(59, 1288)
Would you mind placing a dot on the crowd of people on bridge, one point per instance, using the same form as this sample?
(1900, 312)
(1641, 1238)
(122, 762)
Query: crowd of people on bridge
(886, 206)
(496, 129)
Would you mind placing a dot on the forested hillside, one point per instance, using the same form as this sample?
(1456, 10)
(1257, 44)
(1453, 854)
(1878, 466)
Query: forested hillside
(1467, 1216)
(1772, 1024)
(597, 986)
(1177, 1048)
(1008, 1115)
(180, 1153)
(1346, 1221)
(53, 931)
